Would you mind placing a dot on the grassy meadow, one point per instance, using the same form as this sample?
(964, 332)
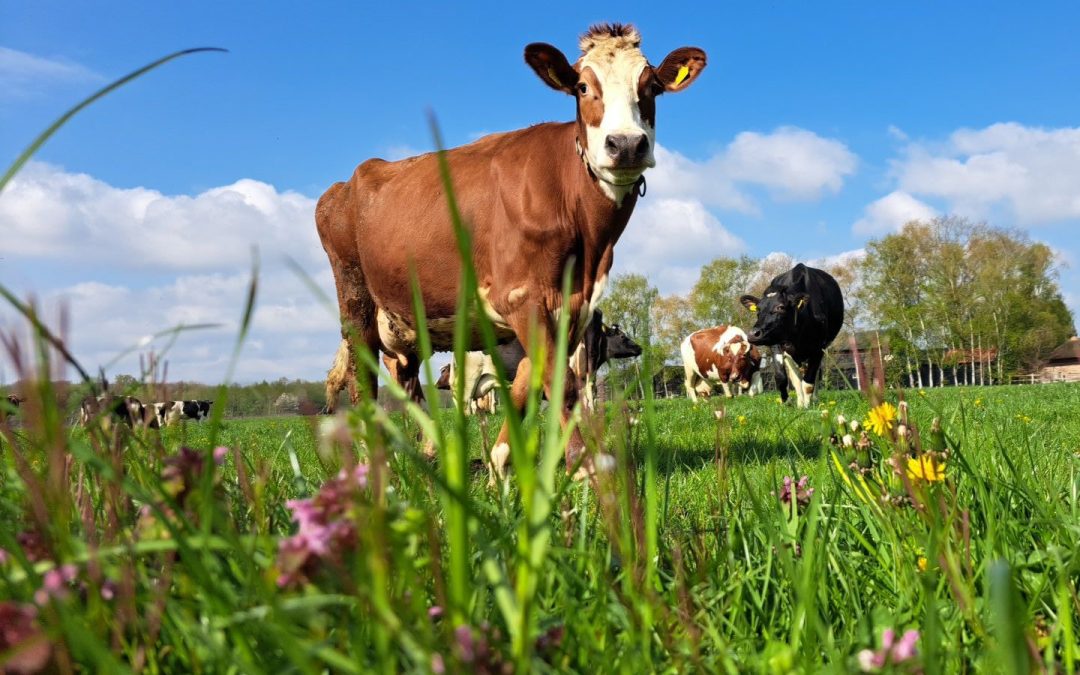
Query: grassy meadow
(123, 551)
(941, 534)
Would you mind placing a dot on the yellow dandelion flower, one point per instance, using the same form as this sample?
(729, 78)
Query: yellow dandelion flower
(922, 392)
(978, 403)
(779, 400)
(881, 418)
(922, 563)
(832, 404)
(742, 419)
(924, 468)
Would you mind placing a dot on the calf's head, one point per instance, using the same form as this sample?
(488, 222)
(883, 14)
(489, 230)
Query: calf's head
(777, 315)
(616, 89)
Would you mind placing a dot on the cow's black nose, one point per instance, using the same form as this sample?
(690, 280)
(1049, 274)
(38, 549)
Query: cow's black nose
(627, 149)
(755, 334)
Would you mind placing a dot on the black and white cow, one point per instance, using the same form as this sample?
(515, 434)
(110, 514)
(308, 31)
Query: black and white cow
(799, 315)
(599, 345)
(171, 412)
(125, 409)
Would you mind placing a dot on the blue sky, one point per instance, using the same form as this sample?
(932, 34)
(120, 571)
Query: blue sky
(815, 127)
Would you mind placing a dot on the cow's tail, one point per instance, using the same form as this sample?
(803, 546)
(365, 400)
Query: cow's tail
(338, 376)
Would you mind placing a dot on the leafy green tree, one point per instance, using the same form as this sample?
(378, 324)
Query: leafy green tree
(714, 299)
(629, 302)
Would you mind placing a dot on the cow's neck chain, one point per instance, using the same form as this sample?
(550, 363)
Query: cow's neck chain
(639, 184)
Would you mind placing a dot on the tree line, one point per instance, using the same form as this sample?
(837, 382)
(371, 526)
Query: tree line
(949, 300)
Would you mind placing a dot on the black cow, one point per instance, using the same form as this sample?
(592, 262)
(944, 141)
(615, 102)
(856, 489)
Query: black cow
(799, 315)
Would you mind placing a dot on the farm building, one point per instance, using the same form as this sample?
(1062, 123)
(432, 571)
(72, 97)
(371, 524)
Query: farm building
(1063, 365)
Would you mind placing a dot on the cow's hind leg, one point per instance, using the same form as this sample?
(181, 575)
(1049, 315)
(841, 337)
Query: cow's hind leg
(358, 322)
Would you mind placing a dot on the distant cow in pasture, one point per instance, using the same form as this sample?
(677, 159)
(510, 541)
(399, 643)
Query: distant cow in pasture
(172, 412)
(599, 344)
(536, 201)
(127, 410)
(722, 354)
(800, 314)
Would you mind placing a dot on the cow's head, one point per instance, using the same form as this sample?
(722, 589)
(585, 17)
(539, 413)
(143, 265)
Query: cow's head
(777, 315)
(616, 90)
(619, 344)
(745, 361)
(444, 378)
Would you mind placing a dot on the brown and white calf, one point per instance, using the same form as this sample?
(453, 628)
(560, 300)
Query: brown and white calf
(536, 200)
(722, 354)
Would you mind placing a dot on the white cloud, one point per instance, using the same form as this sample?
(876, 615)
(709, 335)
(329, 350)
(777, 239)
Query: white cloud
(47, 212)
(794, 164)
(891, 212)
(292, 334)
(668, 239)
(23, 74)
(1030, 172)
(843, 259)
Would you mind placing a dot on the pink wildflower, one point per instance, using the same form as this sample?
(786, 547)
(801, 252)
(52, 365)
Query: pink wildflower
(799, 491)
(55, 583)
(220, 453)
(891, 652)
(25, 646)
(324, 531)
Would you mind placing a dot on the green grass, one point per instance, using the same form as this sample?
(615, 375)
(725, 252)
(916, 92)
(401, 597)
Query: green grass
(124, 552)
(738, 583)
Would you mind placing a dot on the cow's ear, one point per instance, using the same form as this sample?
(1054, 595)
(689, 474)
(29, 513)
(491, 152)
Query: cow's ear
(680, 68)
(800, 300)
(552, 67)
(749, 302)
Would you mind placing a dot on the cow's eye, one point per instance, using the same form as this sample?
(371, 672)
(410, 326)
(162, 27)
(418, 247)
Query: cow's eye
(582, 88)
(781, 309)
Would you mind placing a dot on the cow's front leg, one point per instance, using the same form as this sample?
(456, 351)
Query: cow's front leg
(519, 393)
(813, 368)
(727, 389)
(795, 374)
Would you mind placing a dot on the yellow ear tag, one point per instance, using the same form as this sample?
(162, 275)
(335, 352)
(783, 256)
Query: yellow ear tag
(684, 71)
(753, 307)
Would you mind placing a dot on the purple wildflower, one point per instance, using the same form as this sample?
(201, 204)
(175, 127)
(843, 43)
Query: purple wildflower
(220, 453)
(801, 493)
(26, 647)
(55, 583)
(892, 652)
(324, 531)
(435, 612)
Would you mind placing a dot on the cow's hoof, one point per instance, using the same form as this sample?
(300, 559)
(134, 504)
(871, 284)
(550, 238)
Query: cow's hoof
(500, 454)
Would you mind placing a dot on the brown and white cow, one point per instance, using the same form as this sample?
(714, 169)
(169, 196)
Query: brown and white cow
(535, 200)
(722, 354)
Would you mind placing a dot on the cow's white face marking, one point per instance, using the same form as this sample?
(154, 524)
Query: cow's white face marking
(726, 337)
(617, 65)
